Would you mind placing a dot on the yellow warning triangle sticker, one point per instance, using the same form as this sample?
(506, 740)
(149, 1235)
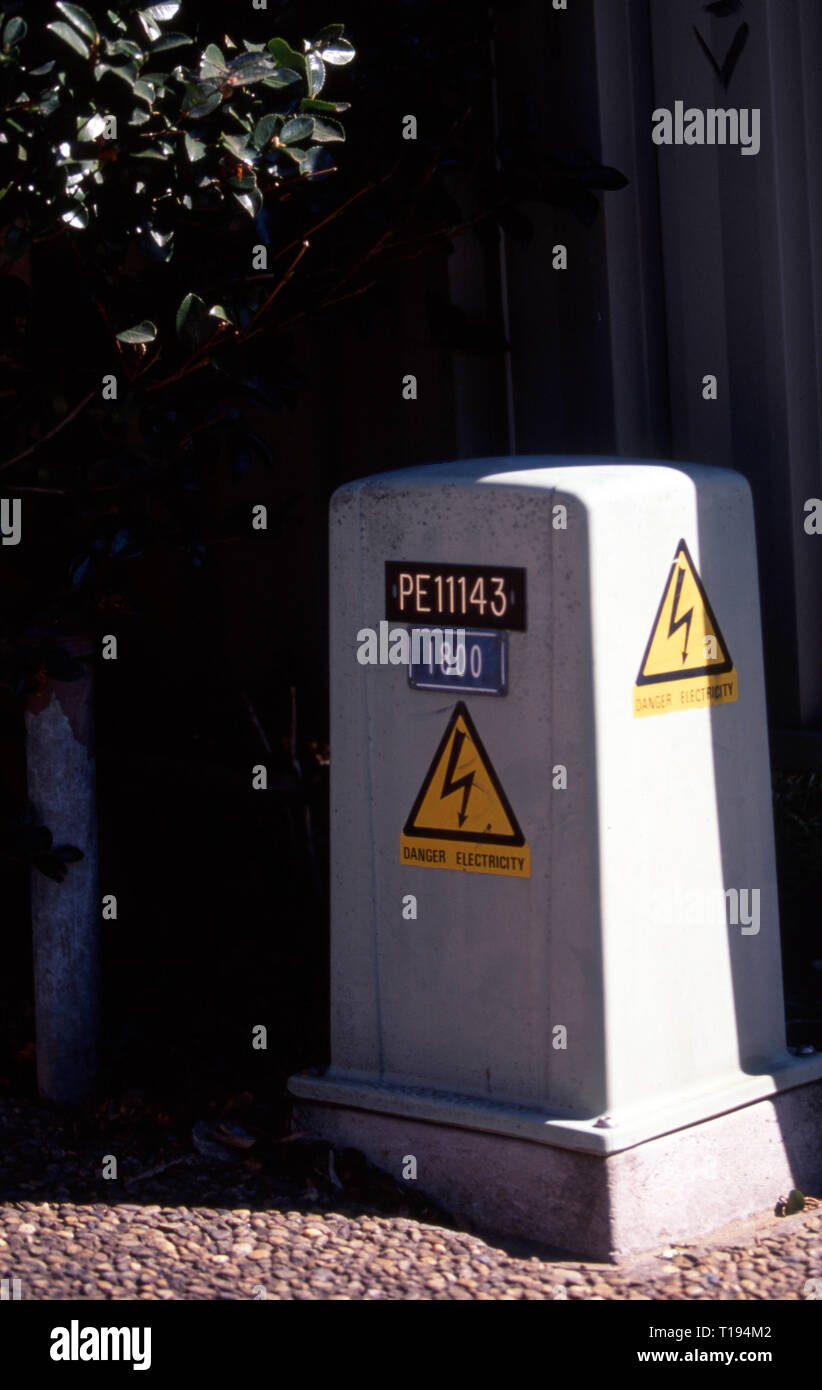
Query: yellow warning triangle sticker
(462, 818)
(687, 664)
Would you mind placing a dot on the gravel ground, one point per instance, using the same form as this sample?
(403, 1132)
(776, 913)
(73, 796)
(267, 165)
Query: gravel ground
(289, 1220)
(61, 1250)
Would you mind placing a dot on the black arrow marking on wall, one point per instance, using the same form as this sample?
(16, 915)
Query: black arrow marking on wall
(732, 57)
(723, 8)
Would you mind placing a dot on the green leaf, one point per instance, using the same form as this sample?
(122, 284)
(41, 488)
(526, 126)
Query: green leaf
(15, 30)
(325, 131)
(333, 108)
(71, 37)
(315, 73)
(315, 161)
(243, 121)
(126, 48)
(163, 243)
(157, 80)
(298, 128)
(50, 103)
(195, 149)
(250, 202)
(171, 41)
(92, 127)
(145, 91)
(212, 62)
(338, 53)
(152, 30)
(238, 145)
(126, 71)
(202, 104)
(285, 56)
(264, 130)
(218, 312)
(245, 180)
(144, 332)
(251, 67)
(327, 35)
(161, 13)
(155, 15)
(281, 77)
(81, 20)
(190, 318)
(76, 217)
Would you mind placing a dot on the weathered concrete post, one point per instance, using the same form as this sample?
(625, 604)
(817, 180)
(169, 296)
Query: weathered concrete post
(66, 916)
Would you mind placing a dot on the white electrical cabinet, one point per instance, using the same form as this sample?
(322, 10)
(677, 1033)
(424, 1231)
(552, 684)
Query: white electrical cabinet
(554, 904)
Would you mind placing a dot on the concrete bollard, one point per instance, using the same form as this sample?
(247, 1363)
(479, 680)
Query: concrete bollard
(65, 916)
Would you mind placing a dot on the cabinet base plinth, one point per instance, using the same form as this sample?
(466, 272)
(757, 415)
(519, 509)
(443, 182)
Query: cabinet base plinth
(601, 1205)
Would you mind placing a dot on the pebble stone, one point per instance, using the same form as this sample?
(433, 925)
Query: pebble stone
(63, 1250)
(192, 1229)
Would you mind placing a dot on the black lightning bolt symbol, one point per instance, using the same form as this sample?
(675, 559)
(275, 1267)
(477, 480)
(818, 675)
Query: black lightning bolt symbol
(685, 619)
(466, 783)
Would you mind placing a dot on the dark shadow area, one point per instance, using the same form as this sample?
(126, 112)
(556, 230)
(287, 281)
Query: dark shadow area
(58, 1155)
(798, 832)
(795, 812)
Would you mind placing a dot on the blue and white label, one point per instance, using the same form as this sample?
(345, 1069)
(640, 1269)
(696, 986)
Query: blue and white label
(459, 659)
